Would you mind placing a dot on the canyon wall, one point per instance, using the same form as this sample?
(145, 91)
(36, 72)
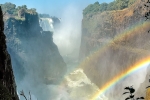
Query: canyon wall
(112, 41)
(7, 81)
(35, 57)
(26, 40)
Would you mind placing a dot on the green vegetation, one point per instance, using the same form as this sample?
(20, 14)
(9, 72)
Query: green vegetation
(11, 10)
(115, 5)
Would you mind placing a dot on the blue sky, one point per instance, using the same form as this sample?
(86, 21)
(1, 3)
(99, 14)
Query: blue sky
(53, 7)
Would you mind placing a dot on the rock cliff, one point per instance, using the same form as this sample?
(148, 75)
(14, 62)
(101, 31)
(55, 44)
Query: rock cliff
(7, 81)
(35, 57)
(148, 94)
(112, 41)
(32, 45)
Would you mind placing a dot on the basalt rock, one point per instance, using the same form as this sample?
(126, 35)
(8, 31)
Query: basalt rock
(34, 47)
(7, 81)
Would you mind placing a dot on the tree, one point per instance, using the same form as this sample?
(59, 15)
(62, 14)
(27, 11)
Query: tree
(131, 91)
(9, 7)
(121, 4)
(92, 8)
(103, 7)
(111, 6)
(115, 5)
(24, 6)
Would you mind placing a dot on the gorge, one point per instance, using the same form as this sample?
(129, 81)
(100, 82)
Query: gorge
(49, 59)
(112, 41)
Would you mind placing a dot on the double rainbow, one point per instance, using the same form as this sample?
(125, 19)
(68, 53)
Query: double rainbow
(127, 33)
(139, 65)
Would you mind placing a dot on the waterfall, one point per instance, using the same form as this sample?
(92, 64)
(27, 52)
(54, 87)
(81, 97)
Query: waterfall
(47, 24)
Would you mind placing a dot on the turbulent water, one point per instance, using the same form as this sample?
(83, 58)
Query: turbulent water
(76, 85)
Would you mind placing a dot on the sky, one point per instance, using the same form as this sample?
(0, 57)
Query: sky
(53, 7)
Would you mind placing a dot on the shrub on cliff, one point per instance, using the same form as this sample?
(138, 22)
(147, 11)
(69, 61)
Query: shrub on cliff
(8, 7)
(115, 5)
(12, 10)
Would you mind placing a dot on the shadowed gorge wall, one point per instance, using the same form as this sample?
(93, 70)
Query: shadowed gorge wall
(35, 58)
(102, 62)
(7, 82)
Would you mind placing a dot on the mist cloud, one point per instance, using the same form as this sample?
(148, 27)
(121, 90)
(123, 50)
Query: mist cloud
(68, 36)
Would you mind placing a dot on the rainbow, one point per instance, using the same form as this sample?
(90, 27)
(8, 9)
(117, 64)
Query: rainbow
(127, 33)
(142, 63)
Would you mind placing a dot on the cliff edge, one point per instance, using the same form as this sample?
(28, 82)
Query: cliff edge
(7, 82)
(112, 41)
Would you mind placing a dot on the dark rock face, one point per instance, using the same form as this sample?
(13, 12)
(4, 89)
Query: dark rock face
(102, 63)
(27, 39)
(35, 58)
(7, 82)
